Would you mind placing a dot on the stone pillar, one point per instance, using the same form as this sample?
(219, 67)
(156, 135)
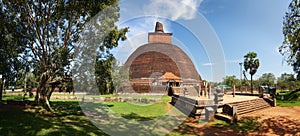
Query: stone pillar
(234, 113)
(209, 113)
(199, 90)
(205, 92)
(233, 91)
(223, 90)
(209, 92)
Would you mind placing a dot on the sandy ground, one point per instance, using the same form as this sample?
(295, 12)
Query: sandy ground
(278, 121)
(281, 121)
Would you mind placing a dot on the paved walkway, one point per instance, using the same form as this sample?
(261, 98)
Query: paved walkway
(228, 98)
(237, 98)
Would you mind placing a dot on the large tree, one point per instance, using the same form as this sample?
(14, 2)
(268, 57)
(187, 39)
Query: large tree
(288, 82)
(267, 79)
(290, 48)
(251, 63)
(53, 28)
(231, 80)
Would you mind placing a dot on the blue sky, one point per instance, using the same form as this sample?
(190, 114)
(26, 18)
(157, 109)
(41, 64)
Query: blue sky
(216, 34)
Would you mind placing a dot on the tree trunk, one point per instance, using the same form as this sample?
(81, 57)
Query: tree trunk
(251, 86)
(1, 89)
(43, 92)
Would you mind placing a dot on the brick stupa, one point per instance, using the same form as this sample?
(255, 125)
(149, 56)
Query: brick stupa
(149, 64)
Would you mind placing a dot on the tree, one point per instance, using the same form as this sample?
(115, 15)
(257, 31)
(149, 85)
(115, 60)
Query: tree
(288, 82)
(290, 48)
(251, 63)
(287, 77)
(52, 28)
(267, 79)
(10, 51)
(109, 75)
(231, 80)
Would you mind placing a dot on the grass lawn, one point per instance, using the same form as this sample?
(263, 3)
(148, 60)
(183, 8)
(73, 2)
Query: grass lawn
(125, 108)
(288, 98)
(290, 103)
(68, 119)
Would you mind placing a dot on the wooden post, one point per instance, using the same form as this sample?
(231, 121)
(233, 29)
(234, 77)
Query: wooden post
(233, 90)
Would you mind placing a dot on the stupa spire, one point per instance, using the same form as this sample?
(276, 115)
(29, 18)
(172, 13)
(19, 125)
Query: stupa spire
(159, 36)
(159, 28)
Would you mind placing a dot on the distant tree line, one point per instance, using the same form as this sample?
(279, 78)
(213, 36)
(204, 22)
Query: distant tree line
(285, 81)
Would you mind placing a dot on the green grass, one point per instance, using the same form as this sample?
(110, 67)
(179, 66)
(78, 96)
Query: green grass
(13, 97)
(68, 117)
(290, 103)
(65, 121)
(126, 109)
(288, 98)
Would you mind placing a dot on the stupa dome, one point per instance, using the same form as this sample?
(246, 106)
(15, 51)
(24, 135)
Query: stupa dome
(159, 56)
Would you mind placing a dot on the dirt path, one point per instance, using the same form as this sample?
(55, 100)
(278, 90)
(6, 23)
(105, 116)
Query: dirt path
(278, 121)
(283, 121)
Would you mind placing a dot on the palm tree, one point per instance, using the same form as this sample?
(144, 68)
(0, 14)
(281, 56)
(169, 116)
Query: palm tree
(251, 63)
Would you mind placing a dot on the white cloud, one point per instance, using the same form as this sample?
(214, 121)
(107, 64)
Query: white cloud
(208, 64)
(173, 9)
(155, 10)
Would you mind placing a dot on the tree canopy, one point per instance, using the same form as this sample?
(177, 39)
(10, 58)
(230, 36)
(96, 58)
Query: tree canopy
(50, 30)
(290, 48)
(231, 80)
(267, 79)
(288, 82)
(10, 52)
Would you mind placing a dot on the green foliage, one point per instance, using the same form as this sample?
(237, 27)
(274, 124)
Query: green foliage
(103, 71)
(99, 38)
(10, 50)
(267, 79)
(251, 63)
(231, 80)
(291, 31)
(288, 82)
(51, 29)
(288, 98)
(108, 71)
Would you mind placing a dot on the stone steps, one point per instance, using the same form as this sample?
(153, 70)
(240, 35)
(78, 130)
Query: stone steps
(250, 105)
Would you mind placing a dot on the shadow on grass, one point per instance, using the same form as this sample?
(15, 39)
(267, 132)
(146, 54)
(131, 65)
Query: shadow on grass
(136, 117)
(185, 129)
(17, 120)
(247, 124)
